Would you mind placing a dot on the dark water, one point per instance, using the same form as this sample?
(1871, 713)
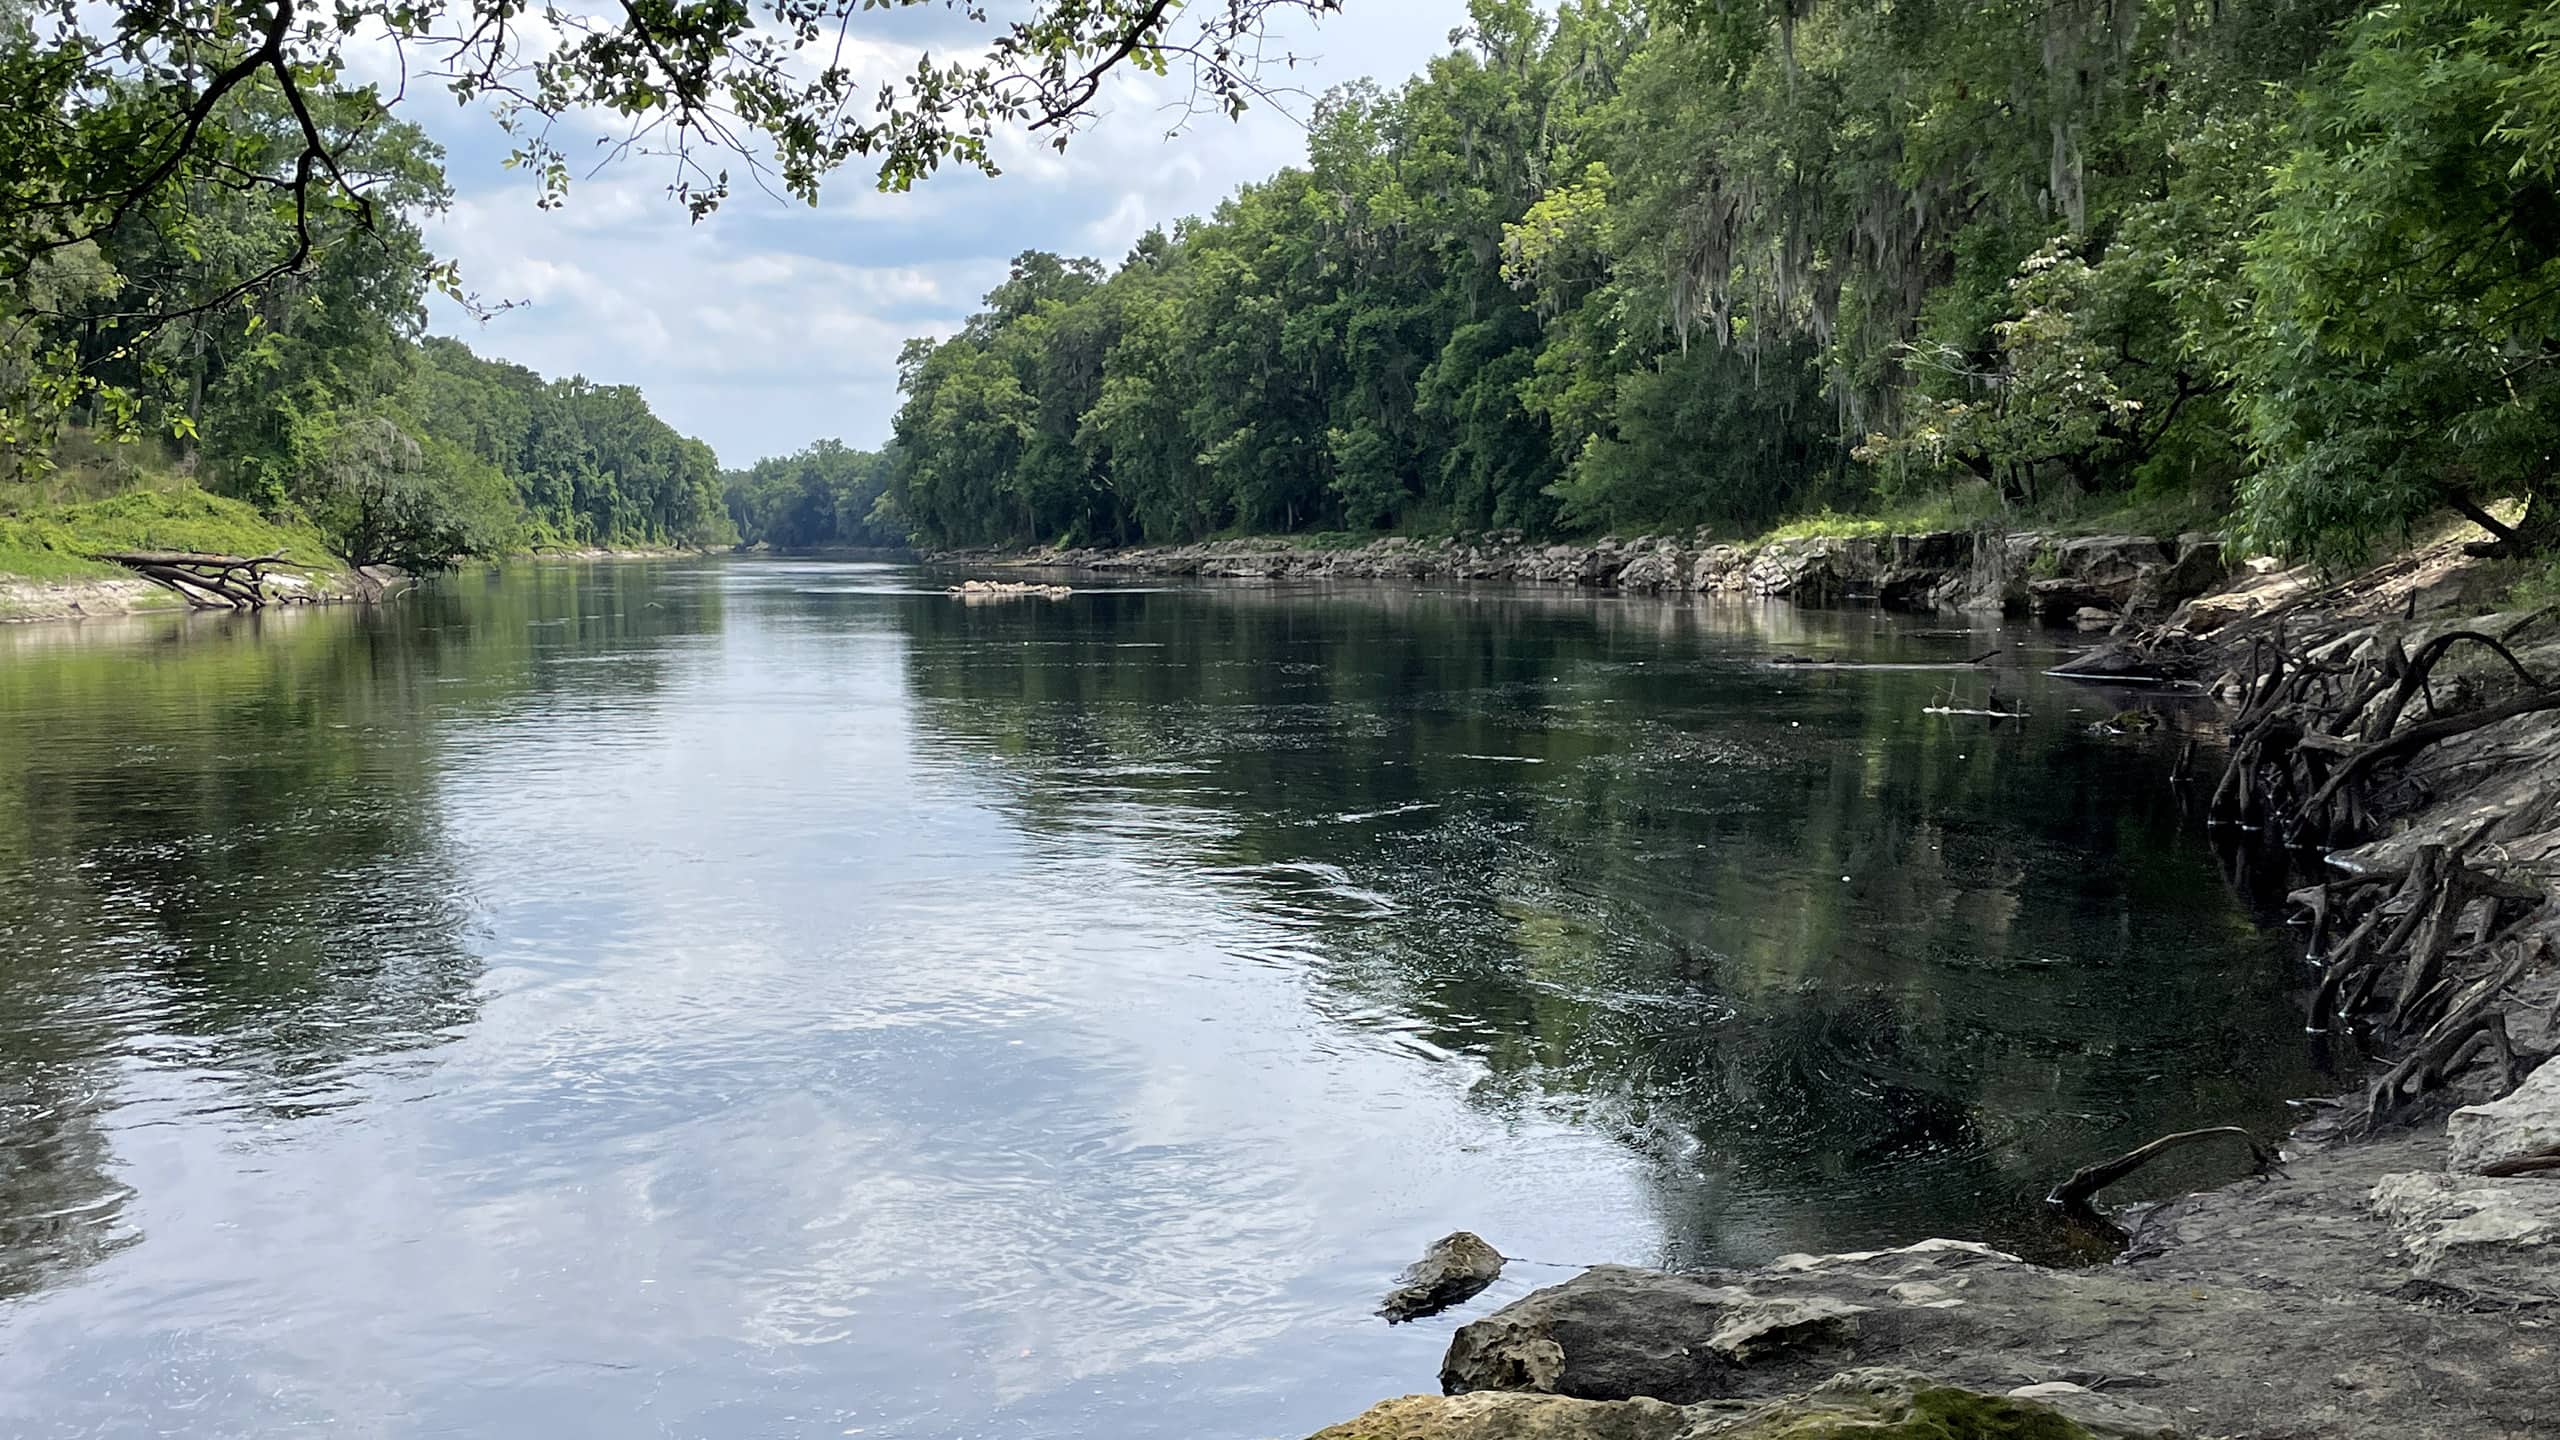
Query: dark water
(775, 999)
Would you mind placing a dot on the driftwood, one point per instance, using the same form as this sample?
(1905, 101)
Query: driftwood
(206, 582)
(2073, 1196)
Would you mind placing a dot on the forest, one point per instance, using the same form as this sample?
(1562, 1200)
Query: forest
(1613, 265)
(1604, 266)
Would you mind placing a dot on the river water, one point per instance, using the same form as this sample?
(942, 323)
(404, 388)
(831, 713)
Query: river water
(774, 998)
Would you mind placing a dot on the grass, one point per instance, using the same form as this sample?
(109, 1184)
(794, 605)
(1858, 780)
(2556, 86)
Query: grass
(54, 542)
(1968, 506)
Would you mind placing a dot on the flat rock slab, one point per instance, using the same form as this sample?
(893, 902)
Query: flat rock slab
(1868, 1404)
(1494, 1416)
(2286, 1307)
(2472, 1224)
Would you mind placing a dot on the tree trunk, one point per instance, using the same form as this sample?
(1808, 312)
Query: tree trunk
(2539, 532)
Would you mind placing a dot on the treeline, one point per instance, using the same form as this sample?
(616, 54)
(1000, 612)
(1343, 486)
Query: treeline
(308, 389)
(827, 496)
(1639, 265)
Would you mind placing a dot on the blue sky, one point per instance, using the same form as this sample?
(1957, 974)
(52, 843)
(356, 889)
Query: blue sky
(773, 324)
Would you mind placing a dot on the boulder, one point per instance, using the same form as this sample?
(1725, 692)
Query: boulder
(1764, 1327)
(2111, 562)
(1657, 569)
(1996, 581)
(1612, 1331)
(1456, 1269)
(2523, 1125)
(1493, 1416)
(1720, 569)
(1815, 571)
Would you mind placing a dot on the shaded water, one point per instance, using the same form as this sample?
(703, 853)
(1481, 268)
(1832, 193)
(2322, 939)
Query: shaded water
(775, 999)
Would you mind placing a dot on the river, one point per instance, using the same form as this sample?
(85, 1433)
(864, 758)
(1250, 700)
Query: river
(775, 998)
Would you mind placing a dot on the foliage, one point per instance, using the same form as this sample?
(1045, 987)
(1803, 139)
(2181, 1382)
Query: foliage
(2406, 281)
(1626, 265)
(310, 393)
(590, 464)
(383, 497)
(826, 496)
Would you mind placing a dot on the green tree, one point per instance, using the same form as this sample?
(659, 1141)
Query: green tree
(385, 499)
(2405, 282)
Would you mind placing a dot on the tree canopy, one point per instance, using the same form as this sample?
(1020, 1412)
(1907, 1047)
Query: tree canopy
(1618, 265)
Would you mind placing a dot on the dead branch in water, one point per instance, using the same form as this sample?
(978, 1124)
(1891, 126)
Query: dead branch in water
(2073, 1196)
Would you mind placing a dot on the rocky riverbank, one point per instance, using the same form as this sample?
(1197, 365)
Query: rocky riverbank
(2095, 579)
(90, 598)
(2396, 1275)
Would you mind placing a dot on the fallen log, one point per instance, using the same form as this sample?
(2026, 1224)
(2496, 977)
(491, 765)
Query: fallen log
(204, 581)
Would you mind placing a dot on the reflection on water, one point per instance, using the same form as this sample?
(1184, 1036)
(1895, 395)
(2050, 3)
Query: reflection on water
(771, 998)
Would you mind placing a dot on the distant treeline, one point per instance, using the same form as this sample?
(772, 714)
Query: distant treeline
(827, 496)
(1618, 265)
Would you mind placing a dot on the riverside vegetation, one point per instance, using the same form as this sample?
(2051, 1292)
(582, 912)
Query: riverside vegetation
(1612, 266)
(1632, 268)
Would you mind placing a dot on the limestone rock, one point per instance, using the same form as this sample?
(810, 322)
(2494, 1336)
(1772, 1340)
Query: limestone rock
(1456, 1269)
(1892, 1404)
(1493, 1416)
(1654, 569)
(1766, 1326)
(2526, 1123)
(1610, 1332)
(2107, 1415)
(2469, 1222)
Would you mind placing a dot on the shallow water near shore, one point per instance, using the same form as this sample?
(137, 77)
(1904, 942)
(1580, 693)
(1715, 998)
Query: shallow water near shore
(775, 998)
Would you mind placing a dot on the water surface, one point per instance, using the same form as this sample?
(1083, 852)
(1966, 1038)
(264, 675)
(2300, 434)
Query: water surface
(774, 998)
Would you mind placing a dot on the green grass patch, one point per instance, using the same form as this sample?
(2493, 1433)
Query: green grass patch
(54, 542)
(1973, 505)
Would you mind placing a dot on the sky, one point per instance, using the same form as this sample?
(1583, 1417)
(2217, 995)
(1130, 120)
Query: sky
(773, 324)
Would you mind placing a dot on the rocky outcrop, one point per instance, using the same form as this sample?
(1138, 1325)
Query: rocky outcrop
(1872, 1404)
(2503, 1232)
(2055, 576)
(2290, 1305)
(1494, 1416)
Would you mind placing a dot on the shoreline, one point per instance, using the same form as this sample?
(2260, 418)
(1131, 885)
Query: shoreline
(26, 601)
(2396, 1274)
(2096, 581)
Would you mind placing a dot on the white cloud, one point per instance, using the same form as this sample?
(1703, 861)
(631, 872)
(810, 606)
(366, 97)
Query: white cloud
(772, 324)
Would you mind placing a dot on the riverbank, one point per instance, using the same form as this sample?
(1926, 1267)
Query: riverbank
(2397, 1274)
(53, 578)
(49, 569)
(2095, 580)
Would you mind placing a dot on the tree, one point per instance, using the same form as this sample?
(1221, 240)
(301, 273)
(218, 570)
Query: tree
(2400, 349)
(385, 499)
